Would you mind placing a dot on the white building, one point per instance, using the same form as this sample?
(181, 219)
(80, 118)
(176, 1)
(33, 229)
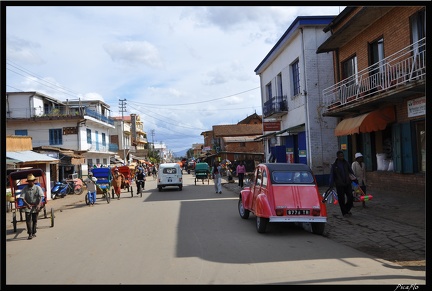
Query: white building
(292, 78)
(83, 126)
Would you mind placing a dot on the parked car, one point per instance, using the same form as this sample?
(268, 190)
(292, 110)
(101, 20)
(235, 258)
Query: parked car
(283, 192)
(169, 174)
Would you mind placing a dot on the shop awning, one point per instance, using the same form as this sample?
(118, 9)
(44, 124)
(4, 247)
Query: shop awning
(368, 122)
(30, 157)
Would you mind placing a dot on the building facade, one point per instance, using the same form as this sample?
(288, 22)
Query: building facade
(82, 126)
(379, 93)
(292, 77)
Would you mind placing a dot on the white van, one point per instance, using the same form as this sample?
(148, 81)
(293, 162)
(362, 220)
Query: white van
(169, 174)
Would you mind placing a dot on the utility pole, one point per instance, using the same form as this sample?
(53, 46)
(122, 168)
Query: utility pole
(122, 110)
(152, 134)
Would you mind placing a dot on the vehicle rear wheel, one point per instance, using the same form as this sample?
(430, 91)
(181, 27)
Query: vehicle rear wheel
(318, 227)
(107, 197)
(244, 213)
(87, 198)
(261, 224)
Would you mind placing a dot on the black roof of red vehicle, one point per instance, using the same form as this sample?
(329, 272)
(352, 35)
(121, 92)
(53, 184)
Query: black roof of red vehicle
(287, 167)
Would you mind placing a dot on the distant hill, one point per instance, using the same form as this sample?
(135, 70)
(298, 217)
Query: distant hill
(180, 153)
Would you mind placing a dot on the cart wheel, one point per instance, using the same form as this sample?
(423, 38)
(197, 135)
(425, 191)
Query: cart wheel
(108, 198)
(52, 217)
(45, 212)
(78, 189)
(87, 199)
(14, 221)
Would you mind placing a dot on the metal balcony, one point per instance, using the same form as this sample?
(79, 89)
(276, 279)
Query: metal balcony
(276, 106)
(402, 71)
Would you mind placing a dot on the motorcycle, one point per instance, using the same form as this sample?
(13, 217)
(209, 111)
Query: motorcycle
(61, 189)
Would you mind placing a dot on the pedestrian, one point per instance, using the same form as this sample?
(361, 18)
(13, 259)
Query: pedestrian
(90, 183)
(359, 170)
(216, 174)
(140, 180)
(32, 196)
(341, 178)
(241, 171)
(117, 182)
(154, 172)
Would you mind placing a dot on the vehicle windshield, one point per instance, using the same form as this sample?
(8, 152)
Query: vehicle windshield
(292, 177)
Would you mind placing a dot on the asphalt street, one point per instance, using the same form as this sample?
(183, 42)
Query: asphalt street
(391, 227)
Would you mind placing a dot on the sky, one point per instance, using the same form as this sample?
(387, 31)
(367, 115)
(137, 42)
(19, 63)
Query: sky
(183, 69)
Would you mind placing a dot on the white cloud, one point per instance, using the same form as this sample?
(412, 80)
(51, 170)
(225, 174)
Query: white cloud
(182, 68)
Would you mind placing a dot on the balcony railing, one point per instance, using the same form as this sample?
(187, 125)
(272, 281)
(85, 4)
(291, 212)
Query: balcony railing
(277, 105)
(404, 67)
(98, 116)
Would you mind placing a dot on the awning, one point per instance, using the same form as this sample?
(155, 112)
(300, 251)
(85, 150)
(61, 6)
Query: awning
(260, 137)
(372, 121)
(74, 159)
(31, 157)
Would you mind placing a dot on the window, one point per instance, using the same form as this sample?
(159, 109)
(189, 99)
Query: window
(90, 163)
(264, 179)
(295, 78)
(55, 136)
(279, 85)
(349, 67)
(269, 94)
(418, 26)
(21, 132)
(243, 144)
(349, 77)
(97, 139)
(103, 139)
(376, 56)
(89, 140)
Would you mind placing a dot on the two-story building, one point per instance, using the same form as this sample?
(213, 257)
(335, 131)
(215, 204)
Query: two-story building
(82, 126)
(292, 77)
(378, 98)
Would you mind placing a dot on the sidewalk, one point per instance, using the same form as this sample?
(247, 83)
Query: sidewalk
(391, 227)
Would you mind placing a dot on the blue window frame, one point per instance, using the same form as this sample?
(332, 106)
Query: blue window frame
(55, 136)
(89, 140)
(295, 78)
(103, 139)
(21, 132)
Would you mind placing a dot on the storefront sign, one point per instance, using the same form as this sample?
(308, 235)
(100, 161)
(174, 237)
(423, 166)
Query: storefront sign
(270, 126)
(416, 107)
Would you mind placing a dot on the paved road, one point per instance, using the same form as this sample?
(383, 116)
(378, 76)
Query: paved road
(188, 246)
(391, 227)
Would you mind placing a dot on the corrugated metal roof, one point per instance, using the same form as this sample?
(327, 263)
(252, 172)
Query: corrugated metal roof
(30, 156)
(240, 138)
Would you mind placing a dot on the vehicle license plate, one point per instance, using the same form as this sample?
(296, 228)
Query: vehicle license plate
(169, 180)
(298, 212)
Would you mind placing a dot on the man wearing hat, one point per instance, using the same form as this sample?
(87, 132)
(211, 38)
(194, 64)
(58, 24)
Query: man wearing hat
(90, 183)
(33, 200)
(359, 169)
